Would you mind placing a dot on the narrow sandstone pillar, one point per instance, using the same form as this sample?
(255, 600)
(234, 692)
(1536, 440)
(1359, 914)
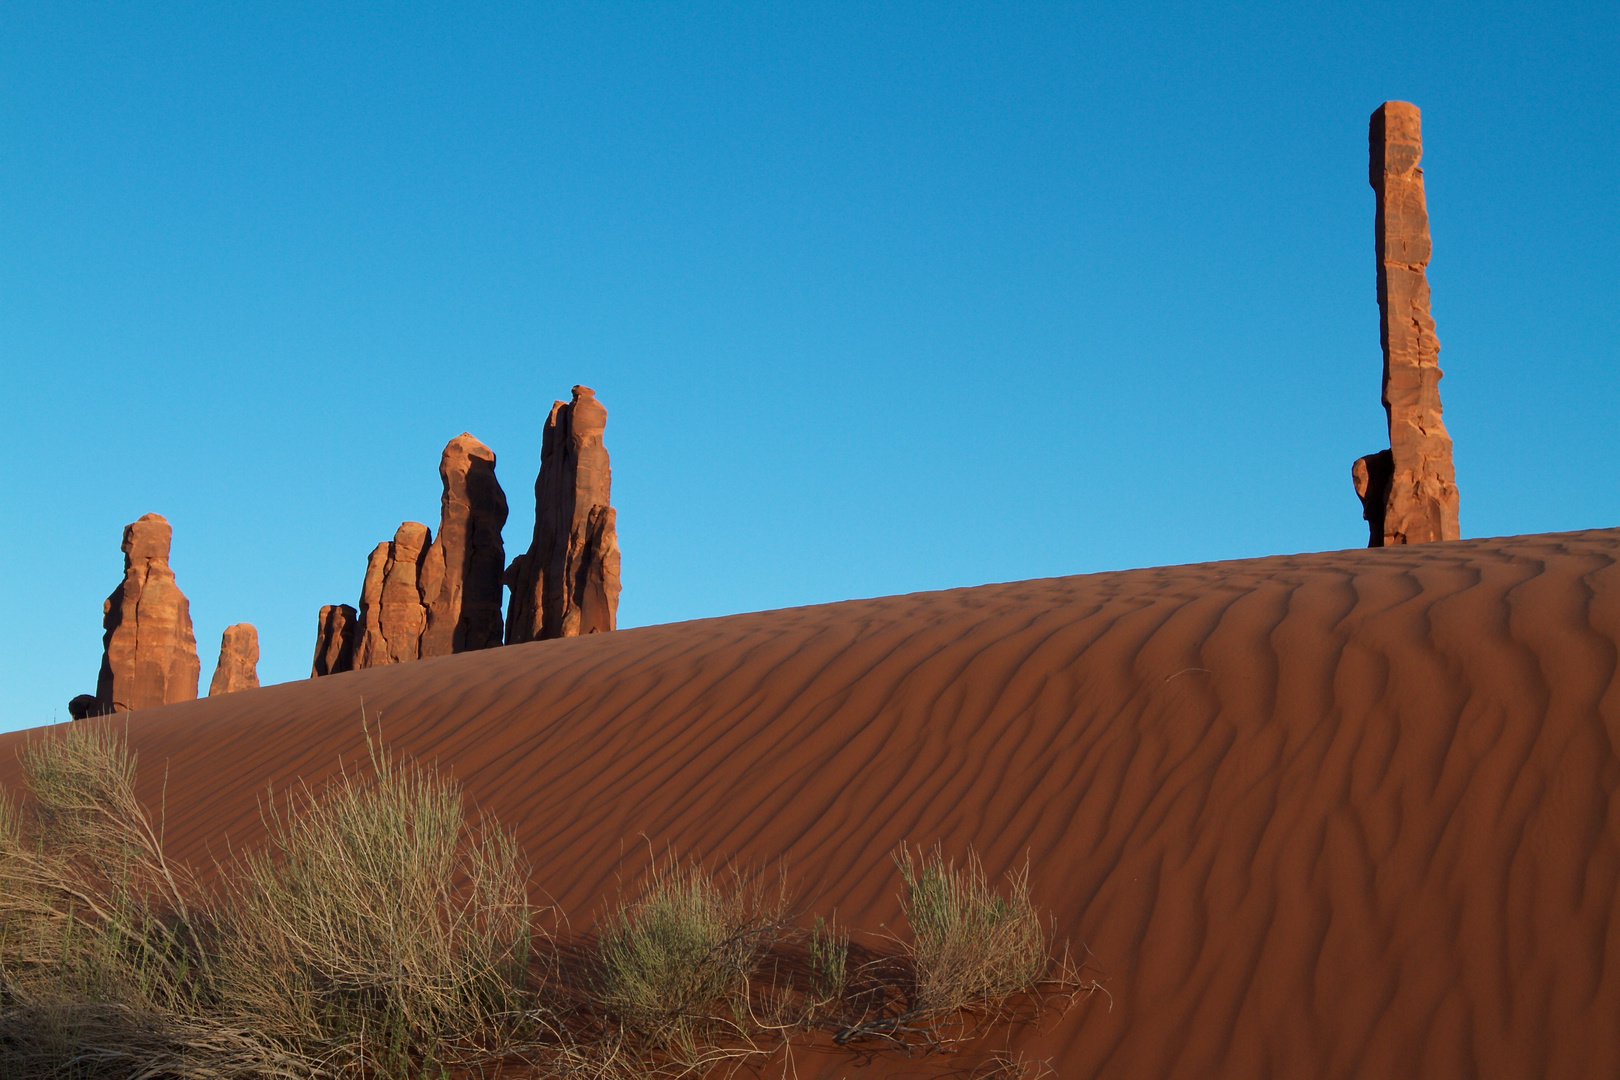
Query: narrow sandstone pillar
(334, 640)
(461, 574)
(392, 616)
(567, 583)
(149, 653)
(1413, 497)
(238, 667)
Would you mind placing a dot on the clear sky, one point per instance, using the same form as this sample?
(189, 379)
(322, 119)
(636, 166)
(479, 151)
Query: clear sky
(879, 298)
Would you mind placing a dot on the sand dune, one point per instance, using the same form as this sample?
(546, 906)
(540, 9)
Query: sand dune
(1345, 814)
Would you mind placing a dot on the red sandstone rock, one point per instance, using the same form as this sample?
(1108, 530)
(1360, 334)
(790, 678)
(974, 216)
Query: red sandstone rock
(567, 583)
(431, 597)
(238, 667)
(334, 640)
(1413, 497)
(461, 575)
(149, 654)
(392, 616)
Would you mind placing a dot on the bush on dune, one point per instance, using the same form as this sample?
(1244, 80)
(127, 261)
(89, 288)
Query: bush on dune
(375, 926)
(969, 942)
(676, 963)
(378, 933)
(104, 956)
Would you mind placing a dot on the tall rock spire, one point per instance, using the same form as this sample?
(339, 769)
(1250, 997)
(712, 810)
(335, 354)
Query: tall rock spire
(149, 653)
(1408, 492)
(567, 583)
(461, 576)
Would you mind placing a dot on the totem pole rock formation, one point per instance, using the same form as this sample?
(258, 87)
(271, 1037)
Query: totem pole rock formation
(149, 654)
(392, 616)
(1409, 492)
(461, 576)
(567, 583)
(334, 640)
(238, 667)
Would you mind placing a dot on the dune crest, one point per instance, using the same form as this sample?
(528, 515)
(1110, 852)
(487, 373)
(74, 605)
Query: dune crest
(1344, 814)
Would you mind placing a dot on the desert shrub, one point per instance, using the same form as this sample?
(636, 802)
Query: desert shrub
(969, 943)
(91, 907)
(376, 927)
(674, 963)
(104, 966)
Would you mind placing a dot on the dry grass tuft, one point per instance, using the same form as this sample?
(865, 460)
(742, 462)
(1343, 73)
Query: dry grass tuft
(105, 965)
(685, 949)
(969, 942)
(377, 927)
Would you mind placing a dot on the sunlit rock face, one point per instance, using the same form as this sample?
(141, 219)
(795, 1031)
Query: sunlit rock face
(149, 653)
(1408, 492)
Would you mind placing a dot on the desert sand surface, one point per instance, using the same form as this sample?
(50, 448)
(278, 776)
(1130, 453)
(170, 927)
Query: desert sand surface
(1349, 814)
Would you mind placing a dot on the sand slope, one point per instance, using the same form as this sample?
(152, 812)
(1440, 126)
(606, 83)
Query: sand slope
(1347, 814)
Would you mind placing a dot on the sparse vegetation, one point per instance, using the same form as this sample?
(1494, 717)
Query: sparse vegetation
(376, 927)
(377, 933)
(969, 942)
(829, 962)
(678, 959)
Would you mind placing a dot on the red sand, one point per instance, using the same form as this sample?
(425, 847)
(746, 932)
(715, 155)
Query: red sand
(1347, 814)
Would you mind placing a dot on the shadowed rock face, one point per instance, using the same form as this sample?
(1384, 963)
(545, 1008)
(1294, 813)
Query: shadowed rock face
(149, 654)
(461, 575)
(392, 616)
(1411, 497)
(238, 667)
(84, 706)
(1371, 475)
(567, 583)
(334, 640)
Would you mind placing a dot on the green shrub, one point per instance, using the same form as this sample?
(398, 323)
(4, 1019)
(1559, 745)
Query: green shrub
(674, 964)
(969, 942)
(828, 953)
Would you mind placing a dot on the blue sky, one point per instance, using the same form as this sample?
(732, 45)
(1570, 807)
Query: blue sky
(880, 298)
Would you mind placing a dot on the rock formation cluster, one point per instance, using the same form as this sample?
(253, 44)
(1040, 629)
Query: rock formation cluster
(567, 583)
(1408, 492)
(428, 594)
(423, 594)
(149, 653)
(238, 667)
